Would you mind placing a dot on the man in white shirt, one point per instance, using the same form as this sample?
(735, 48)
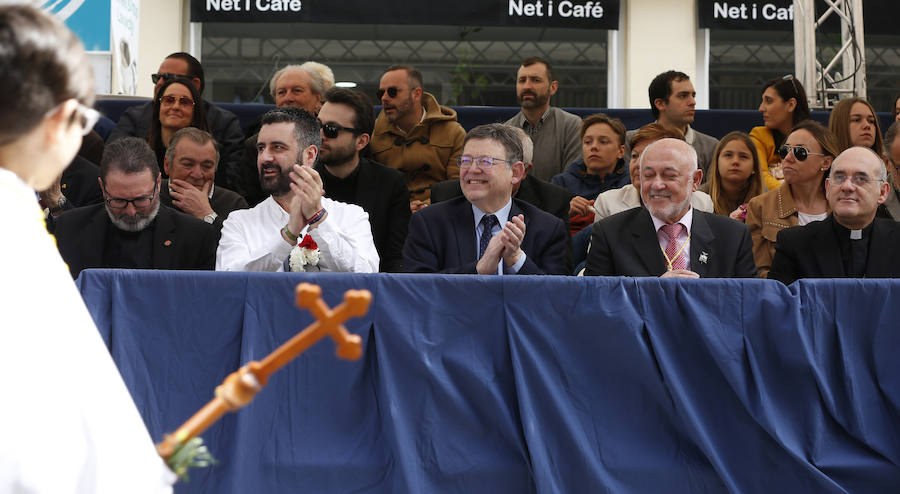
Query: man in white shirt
(261, 238)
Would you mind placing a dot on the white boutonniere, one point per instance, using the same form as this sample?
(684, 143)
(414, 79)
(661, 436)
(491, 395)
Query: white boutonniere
(305, 254)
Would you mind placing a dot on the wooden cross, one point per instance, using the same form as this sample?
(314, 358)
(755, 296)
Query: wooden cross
(240, 387)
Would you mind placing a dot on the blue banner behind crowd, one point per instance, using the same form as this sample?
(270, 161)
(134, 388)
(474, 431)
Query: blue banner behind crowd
(524, 384)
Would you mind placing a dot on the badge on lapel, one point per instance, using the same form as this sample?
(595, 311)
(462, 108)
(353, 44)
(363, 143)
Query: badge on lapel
(703, 257)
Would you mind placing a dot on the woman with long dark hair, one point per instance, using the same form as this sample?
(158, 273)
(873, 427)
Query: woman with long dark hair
(783, 106)
(178, 105)
(854, 123)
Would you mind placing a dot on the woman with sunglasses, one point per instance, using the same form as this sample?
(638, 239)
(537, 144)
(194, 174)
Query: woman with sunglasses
(69, 424)
(806, 156)
(733, 176)
(783, 106)
(854, 123)
(179, 105)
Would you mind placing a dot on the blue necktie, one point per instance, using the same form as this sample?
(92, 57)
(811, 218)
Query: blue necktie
(487, 224)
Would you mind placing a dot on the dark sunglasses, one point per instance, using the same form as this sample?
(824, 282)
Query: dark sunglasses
(166, 76)
(800, 153)
(391, 91)
(332, 130)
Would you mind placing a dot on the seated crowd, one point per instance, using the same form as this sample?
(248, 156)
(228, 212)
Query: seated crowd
(320, 183)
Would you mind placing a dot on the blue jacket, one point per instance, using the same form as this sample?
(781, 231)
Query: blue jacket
(576, 180)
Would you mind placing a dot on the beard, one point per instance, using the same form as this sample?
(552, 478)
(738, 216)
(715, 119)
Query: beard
(134, 222)
(670, 212)
(538, 100)
(336, 156)
(276, 186)
(402, 108)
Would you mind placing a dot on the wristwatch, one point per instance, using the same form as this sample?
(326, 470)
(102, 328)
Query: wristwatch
(211, 217)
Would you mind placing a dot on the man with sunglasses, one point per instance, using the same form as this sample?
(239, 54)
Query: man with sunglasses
(132, 229)
(851, 242)
(349, 176)
(135, 121)
(415, 134)
(487, 231)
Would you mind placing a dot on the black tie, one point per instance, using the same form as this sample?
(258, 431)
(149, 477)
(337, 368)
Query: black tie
(487, 224)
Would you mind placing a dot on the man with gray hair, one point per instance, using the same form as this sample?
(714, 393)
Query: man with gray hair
(668, 237)
(891, 207)
(851, 242)
(190, 162)
(487, 231)
(131, 229)
(301, 86)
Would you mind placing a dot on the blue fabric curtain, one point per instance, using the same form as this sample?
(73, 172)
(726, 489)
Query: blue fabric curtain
(524, 384)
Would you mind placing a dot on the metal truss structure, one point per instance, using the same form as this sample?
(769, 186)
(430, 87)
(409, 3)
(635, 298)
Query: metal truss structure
(844, 73)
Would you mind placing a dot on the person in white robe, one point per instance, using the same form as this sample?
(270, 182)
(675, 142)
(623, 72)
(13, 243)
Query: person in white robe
(67, 423)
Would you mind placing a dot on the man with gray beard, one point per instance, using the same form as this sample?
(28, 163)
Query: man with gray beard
(131, 229)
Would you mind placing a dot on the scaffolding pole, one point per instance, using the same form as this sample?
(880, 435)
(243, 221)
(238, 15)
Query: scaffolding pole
(844, 74)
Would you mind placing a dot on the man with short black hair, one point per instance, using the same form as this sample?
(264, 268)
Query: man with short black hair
(851, 242)
(350, 176)
(487, 231)
(132, 229)
(262, 238)
(191, 161)
(672, 101)
(556, 133)
(224, 125)
(415, 134)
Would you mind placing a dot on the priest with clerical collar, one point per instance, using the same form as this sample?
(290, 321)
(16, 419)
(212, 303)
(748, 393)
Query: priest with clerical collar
(851, 242)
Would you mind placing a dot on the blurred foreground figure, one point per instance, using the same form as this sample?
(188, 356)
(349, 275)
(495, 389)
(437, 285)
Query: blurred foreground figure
(67, 424)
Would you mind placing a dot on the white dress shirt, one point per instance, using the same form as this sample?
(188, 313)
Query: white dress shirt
(502, 216)
(251, 239)
(68, 423)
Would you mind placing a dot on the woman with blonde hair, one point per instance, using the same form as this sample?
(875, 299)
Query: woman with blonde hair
(733, 176)
(806, 156)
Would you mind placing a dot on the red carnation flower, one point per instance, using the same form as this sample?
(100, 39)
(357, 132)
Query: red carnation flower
(308, 243)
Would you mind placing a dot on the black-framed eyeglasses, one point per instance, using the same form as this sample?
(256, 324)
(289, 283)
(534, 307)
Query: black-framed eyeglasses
(138, 202)
(483, 162)
(800, 153)
(164, 76)
(391, 91)
(169, 100)
(332, 130)
(857, 180)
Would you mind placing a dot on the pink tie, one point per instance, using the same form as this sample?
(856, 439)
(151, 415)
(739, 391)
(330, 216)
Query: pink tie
(674, 252)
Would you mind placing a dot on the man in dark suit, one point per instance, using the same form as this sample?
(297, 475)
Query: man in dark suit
(851, 242)
(131, 229)
(347, 117)
(487, 231)
(668, 237)
(191, 162)
(546, 196)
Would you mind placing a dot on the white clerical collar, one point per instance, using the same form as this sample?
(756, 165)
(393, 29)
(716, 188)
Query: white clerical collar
(685, 220)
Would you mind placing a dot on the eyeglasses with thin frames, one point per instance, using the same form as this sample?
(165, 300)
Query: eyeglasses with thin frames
(857, 180)
(483, 162)
(170, 100)
(87, 116)
(790, 77)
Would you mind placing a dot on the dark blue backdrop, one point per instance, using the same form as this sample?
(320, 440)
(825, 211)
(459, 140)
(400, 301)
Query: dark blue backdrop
(524, 384)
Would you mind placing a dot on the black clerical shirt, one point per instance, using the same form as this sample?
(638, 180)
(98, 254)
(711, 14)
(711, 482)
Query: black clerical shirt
(129, 250)
(854, 246)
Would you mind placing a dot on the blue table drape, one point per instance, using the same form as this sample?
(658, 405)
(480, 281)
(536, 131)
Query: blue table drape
(522, 384)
